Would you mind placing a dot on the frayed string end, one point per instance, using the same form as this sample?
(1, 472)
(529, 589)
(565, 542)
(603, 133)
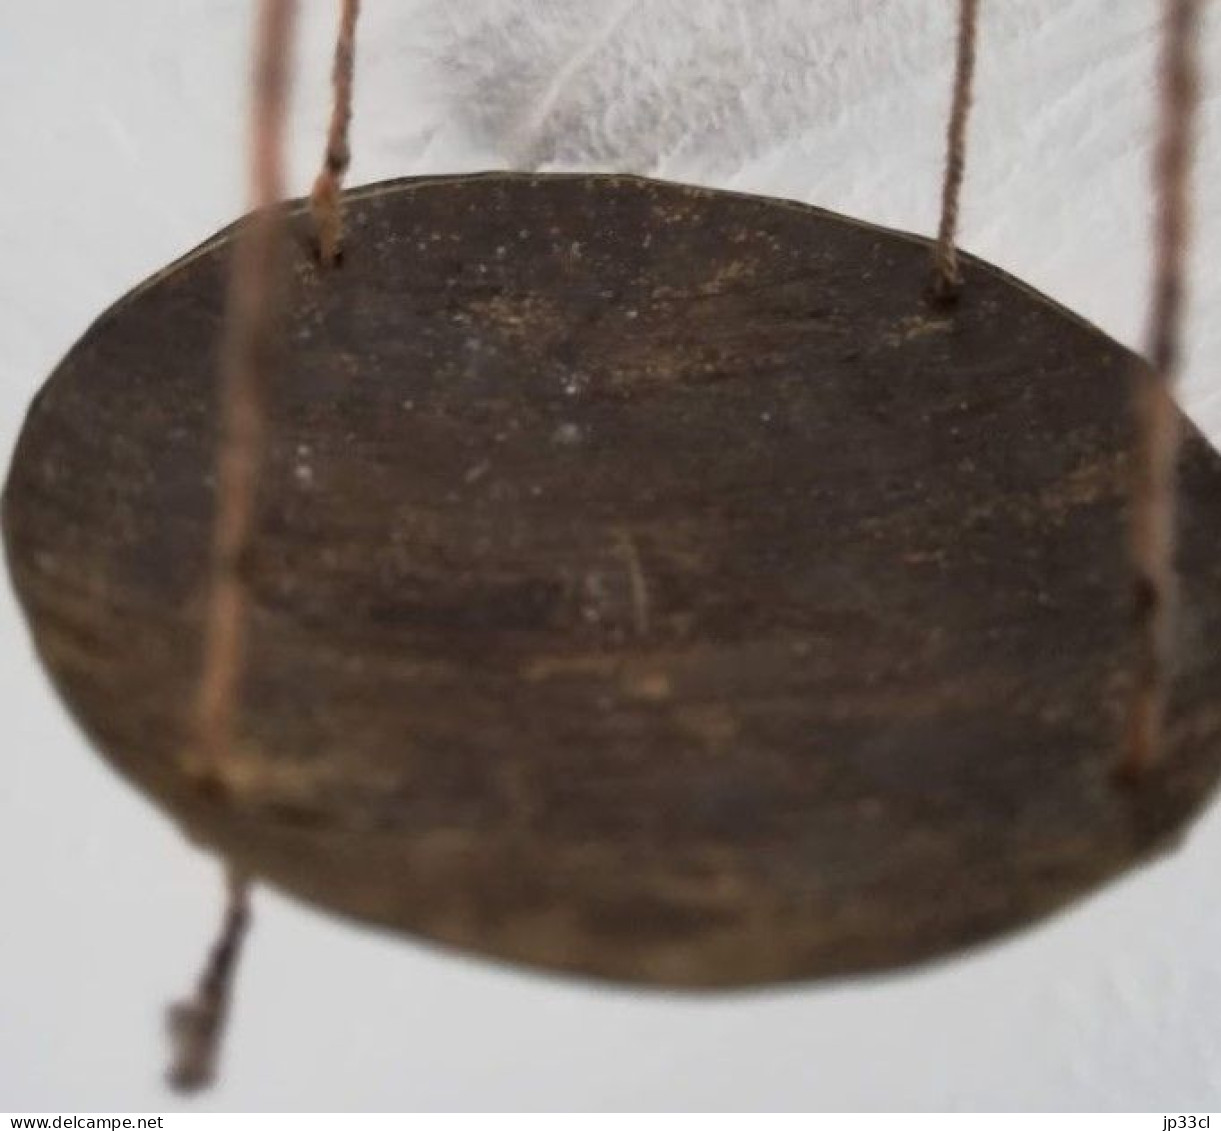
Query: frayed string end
(196, 1026)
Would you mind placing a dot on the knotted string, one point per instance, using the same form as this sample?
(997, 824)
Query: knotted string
(247, 359)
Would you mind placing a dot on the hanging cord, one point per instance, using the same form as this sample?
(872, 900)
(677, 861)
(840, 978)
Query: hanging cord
(326, 201)
(247, 358)
(196, 1026)
(946, 282)
(1157, 421)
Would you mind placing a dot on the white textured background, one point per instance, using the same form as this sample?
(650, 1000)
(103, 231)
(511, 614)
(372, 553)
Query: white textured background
(120, 126)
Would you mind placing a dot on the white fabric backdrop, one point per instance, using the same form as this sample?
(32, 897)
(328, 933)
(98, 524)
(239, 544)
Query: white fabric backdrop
(121, 124)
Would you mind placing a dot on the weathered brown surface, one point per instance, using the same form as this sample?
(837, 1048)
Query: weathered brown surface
(649, 585)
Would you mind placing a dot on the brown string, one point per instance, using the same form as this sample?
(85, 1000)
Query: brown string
(1157, 422)
(947, 276)
(247, 357)
(326, 201)
(197, 1026)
